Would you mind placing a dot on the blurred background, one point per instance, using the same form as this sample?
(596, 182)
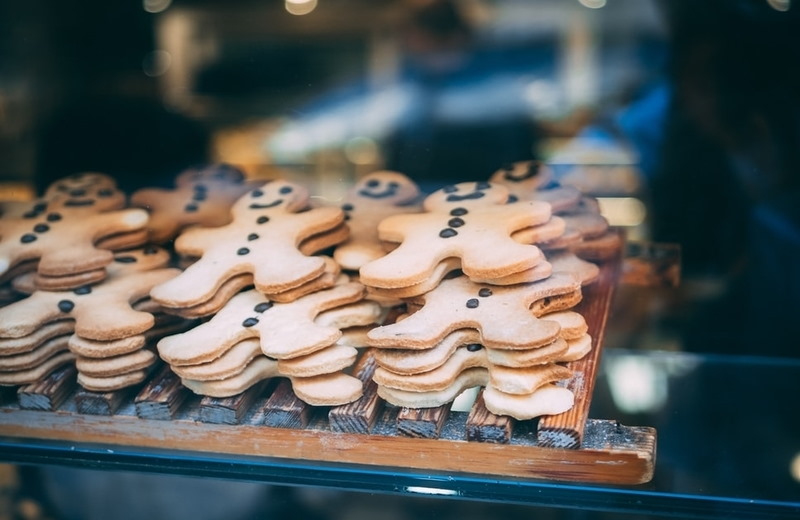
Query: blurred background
(681, 116)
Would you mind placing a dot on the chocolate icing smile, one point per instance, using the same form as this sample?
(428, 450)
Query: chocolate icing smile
(268, 205)
(469, 196)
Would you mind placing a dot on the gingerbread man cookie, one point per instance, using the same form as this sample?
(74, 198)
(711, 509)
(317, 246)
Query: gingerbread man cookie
(375, 197)
(501, 314)
(102, 312)
(203, 197)
(285, 330)
(533, 180)
(262, 239)
(64, 240)
(469, 221)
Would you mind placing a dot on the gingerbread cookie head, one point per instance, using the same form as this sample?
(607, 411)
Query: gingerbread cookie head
(386, 187)
(465, 194)
(274, 197)
(80, 181)
(222, 172)
(525, 176)
(91, 191)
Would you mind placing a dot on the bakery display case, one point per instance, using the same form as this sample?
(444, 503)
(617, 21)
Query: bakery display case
(624, 348)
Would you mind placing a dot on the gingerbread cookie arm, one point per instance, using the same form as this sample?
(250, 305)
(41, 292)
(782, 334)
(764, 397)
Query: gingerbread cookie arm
(288, 330)
(25, 316)
(412, 262)
(74, 249)
(107, 313)
(497, 257)
(195, 241)
(200, 281)
(232, 324)
(293, 270)
(161, 225)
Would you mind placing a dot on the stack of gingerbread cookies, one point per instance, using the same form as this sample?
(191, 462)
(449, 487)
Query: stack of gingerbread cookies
(486, 307)
(68, 258)
(102, 327)
(67, 237)
(266, 294)
(586, 232)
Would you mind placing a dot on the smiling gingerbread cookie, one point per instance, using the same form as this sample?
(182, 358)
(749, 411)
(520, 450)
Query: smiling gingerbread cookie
(375, 197)
(202, 196)
(262, 240)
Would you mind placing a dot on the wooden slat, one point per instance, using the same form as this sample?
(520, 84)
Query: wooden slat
(566, 430)
(424, 423)
(50, 392)
(284, 409)
(100, 403)
(359, 416)
(161, 397)
(228, 410)
(484, 426)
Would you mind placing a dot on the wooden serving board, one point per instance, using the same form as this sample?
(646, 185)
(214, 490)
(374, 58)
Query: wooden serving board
(268, 420)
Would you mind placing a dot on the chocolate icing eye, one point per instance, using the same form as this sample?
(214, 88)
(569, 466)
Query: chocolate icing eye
(125, 259)
(53, 217)
(473, 303)
(65, 305)
(105, 193)
(256, 193)
(242, 251)
(474, 347)
(450, 189)
(393, 185)
(483, 185)
(347, 206)
(77, 193)
(41, 228)
(39, 207)
(150, 250)
(263, 306)
(512, 198)
(249, 322)
(284, 190)
(262, 219)
(190, 208)
(373, 183)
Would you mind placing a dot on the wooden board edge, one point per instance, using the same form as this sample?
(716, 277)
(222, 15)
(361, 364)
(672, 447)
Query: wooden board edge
(624, 465)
